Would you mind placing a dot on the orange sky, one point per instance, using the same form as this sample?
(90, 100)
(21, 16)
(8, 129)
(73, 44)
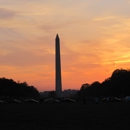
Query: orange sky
(94, 35)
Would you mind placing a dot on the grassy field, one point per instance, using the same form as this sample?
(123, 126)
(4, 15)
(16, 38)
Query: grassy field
(67, 116)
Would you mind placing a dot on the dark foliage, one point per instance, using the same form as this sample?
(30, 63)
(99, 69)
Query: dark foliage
(10, 88)
(118, 85)
(83, 90)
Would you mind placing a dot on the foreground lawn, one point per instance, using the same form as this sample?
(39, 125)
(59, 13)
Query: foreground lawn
(67, 116)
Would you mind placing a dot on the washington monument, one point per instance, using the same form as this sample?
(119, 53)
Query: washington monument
(58, 68)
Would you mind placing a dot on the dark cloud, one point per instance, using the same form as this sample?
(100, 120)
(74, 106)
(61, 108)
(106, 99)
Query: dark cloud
(7, 14)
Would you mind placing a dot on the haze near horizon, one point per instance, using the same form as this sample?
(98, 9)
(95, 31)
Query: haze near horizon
(94, 40)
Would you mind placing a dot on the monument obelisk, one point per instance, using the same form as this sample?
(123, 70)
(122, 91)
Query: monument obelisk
(58, 68)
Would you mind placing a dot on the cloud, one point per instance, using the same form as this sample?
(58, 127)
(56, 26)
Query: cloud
(7, 14)
(25, 58)
(105, 18)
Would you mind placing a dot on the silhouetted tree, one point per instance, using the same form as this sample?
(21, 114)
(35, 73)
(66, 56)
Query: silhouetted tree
(121, 82)
(10, 88)
(116, 85)
(82, 91)
(106, 87)
(94, 89)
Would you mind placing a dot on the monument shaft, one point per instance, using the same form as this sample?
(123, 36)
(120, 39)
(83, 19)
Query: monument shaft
(58, 68)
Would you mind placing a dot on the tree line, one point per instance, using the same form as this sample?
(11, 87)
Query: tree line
(117, 85)
(11, 89)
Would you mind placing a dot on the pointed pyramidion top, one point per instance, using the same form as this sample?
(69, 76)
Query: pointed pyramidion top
(57, 36)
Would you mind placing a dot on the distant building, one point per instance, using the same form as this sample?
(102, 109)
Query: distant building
(65, 93)
(44, 94)
(69, 92)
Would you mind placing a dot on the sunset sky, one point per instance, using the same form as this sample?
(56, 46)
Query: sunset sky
(94, 35)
